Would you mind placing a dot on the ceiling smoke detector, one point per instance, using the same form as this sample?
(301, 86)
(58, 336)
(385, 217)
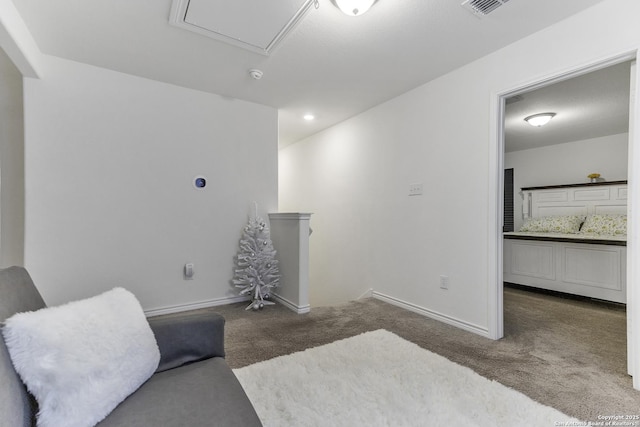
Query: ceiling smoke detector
(255, 74)
(481, 8)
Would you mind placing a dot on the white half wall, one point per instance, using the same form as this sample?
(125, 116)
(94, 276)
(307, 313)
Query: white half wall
(355, 176)
(568, 163)
(11, 164)
(110, 201)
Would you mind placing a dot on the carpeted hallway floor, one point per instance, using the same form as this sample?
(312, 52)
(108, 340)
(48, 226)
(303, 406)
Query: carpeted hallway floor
(564, 353)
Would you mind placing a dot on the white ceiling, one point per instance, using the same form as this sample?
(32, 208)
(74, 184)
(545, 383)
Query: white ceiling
(588, 106)
(331, 64)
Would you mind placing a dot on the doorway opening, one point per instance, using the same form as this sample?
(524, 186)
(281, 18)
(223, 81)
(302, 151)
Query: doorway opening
(549, 152)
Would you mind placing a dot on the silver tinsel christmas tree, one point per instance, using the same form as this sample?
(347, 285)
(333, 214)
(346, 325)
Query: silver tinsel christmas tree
(256, 272)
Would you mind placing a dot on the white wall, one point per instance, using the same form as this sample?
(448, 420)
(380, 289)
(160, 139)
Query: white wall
(110, 160)
(11, 165)
(568, 163)
(368, 233)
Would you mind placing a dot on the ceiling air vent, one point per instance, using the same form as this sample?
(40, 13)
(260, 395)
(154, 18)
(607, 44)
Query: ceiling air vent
(482, 8)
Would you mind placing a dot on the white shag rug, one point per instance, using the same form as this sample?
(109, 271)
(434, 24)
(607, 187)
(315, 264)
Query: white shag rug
(380, 379)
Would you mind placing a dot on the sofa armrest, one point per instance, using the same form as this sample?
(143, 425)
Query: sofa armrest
(188, 337)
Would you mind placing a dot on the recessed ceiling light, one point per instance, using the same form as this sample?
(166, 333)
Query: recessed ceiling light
(308, 117)
(539, 119)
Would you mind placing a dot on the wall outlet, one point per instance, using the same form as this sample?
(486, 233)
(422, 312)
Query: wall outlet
(444, 282)
(415, 189)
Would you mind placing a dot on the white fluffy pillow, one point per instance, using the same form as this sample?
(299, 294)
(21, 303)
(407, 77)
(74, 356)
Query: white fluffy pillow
(81, 359)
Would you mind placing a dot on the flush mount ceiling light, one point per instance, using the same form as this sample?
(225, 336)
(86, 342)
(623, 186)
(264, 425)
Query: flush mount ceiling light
(354, 7)
(539, 120)
(308, 117)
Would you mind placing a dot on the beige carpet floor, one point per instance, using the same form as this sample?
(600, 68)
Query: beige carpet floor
(568, 354)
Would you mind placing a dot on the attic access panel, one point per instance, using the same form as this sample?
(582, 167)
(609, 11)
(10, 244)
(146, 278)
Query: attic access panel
(256, 25)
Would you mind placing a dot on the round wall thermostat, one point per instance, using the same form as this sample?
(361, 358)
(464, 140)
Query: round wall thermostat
(199, 182)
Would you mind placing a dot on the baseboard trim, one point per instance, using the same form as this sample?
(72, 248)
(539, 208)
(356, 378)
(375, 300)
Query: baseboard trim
(291, 306)
(194, 305)
(432, 314)
(366, 294)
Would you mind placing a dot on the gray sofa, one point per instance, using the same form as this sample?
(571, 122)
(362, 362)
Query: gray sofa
(193, 385)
